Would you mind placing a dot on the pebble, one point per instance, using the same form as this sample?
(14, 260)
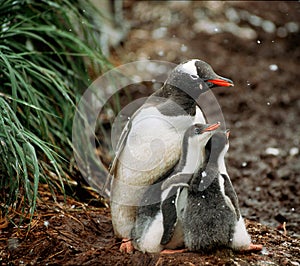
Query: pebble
(264, 251)
(295, 263)
(161, 53)
(294, 151)
(159, 33)
(272, 151)
(283, 172)
(46, 223)
(273, 67)
(183, 48)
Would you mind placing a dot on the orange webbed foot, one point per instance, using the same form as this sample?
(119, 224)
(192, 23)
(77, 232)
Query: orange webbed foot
(126, 246)
(255, 247)
(173, 251)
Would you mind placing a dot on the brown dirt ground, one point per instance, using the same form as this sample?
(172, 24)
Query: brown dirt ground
(262, 111)
(77, 234)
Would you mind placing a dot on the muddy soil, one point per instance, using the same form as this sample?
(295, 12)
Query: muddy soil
(79, 234)
(257, 45)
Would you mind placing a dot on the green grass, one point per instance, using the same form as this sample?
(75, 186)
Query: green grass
(46, 49)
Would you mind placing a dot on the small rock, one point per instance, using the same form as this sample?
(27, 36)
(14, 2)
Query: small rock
(283, 172)
(273, 67)
(272, 151)
(244, 164)
(264, 251)
(46, 223)
(295, 263)
(294, 151)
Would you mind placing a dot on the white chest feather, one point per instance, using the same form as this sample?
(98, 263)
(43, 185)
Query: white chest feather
(227, 199)
(153, 145)
(221, 161)
(195, 157)
(199, 118)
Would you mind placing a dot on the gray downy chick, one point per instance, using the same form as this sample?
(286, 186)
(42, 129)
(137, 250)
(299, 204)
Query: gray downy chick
(150, 226)
(209, 210)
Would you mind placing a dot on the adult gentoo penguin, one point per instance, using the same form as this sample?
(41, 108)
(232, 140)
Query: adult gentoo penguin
(150, 144)
(210, 216)
(149, 225)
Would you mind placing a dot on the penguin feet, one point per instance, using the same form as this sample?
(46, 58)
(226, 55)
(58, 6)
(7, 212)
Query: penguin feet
(173, 251)
(126, 246)
(254, 247)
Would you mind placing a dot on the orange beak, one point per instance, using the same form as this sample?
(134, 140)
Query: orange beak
(212, 127)
(221, 82)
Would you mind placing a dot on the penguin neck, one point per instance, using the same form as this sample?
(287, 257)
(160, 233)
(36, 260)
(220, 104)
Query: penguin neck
(221, 166)
(191, 159)
(181, 98)
(217, 160)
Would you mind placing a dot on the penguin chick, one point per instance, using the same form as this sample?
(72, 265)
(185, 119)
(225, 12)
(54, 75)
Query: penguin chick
(151, 223)
(241, 238)
(209, 210)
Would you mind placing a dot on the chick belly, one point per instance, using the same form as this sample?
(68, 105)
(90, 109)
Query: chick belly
(152, 235)
(241, 238)
(150, 239)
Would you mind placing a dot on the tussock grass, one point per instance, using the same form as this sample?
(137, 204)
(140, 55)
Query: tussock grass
(47, 50)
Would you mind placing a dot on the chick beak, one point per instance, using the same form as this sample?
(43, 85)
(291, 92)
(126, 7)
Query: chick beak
(212, 127)
(227, 133)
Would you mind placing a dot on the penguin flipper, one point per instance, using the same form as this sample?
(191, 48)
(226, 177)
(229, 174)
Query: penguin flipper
(120, 145)
(168, 208)
(180, 179)
(203, 179)
(119, 149)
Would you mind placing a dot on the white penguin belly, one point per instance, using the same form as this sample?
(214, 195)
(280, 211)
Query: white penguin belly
(149, 152)
(153, 147)
(241, 238)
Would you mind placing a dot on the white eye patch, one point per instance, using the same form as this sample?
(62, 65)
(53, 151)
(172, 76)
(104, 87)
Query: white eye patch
(190, 68)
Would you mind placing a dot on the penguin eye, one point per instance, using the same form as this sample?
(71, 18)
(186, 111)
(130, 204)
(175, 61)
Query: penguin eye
(197, 131)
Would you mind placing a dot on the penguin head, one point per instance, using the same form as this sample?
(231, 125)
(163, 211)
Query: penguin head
(195, 139)
(198, 135)
(211, 79)
(196, 76)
